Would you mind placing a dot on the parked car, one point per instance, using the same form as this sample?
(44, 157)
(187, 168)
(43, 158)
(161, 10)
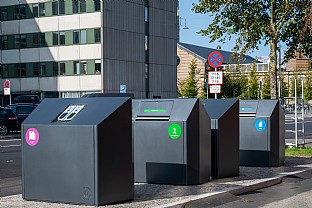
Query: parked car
(27, 99)
(22, 110)
(8, 121)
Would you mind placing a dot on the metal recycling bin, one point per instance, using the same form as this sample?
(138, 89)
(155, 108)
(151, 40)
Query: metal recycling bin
(224, 114)
(262, 133)
(78, 151)
(171, 142)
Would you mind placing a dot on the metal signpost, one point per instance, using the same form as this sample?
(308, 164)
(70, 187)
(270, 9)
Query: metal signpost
(215, 60)
(7, 88)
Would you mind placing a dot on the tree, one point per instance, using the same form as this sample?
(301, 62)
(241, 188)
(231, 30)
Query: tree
(308, 85)
(253, 22)
(266, 87)
(188, 88)
(253, 85)
(233, 84)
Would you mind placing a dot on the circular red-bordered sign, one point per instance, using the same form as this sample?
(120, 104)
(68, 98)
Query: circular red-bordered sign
(215, 59)
(6, 83)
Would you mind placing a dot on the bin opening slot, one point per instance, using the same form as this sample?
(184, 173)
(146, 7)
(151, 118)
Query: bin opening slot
(247, 115)
(153, 109)
(70, 112)
(248, 107)
(164, 118)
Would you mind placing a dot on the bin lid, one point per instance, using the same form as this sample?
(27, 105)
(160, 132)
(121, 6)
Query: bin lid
(216, 108)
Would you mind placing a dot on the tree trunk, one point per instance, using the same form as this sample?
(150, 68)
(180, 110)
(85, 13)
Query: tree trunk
(273, 67)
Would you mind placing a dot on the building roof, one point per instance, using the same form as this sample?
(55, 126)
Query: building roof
(203, 53)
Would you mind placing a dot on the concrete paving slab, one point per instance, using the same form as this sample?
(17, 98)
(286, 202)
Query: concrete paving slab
(151, 195)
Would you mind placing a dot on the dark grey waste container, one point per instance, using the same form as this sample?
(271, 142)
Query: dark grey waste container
(78, 151)
(262, 133)
(224, 114)
(171, 142)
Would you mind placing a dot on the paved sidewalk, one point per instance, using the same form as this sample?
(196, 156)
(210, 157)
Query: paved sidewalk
(148, 195)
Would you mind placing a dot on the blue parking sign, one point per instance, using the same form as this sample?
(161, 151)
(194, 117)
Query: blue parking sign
(123, 89)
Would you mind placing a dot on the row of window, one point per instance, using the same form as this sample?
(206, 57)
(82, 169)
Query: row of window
(59, 38)
(48, 69)
(47, 9)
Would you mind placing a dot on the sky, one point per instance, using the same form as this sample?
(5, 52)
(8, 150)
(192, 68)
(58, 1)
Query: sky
(195, 22)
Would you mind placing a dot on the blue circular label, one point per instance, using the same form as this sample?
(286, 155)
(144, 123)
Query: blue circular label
(260, 125)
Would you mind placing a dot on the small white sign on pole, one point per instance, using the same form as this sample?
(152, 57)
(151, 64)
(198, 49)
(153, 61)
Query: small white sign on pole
(215, 77)
(215, 89)
(7, 87)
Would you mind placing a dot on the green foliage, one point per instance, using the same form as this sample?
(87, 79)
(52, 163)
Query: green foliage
(308, 86)
(292, 151)
(233, 84)
(188, 88)
(266, 87)
(253, 84)
(285, 89)
(256, 23)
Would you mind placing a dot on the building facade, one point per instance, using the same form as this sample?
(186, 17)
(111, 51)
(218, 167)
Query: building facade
(66, 48)
(300, 62)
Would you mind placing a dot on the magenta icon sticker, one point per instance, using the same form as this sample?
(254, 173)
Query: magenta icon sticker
(32, 137)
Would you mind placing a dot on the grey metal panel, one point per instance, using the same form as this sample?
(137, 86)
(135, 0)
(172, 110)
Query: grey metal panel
(218, 107)
(266, 107)
(163, 81)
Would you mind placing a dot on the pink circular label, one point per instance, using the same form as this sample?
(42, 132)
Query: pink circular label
(32, 137)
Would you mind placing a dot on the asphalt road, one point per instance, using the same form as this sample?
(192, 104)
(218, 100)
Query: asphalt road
(10, 166)
(290, 125)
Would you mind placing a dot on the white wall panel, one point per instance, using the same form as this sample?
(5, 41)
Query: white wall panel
(30, 55)
(48, 84)
(8, 2)
(68, 22)
(10, 27)
(48, 54)
(47, 24)
(28, 26)
(79, 83)
(10, 56)
(29, 84)
(68, 53)
(90, 20)
(91, 51)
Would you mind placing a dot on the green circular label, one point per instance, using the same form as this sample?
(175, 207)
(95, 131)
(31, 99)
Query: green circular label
(174, 131)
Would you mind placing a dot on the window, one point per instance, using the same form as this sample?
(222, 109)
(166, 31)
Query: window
(55, 68)
(146, 14)
(5, 72)
(17, 70)
(97, 35)
(76, 67)
(23, 41)
(17, 42)
(83, 67)
(35, 10)
(62, 38)
(16, 12)
(55, 7)
(23, 70)
(82, 6)
(83, 36)
(4, 13)
(62, 68)
(75, 6)
(22, 11)
(4, 43)
(41, 10)
(36, 69)
(43, 69)
(55, 36)
(42, 40)
(35, 39)
(146, 42)
(76, 37)
(97, 5)
(61, 6)
(97, 66)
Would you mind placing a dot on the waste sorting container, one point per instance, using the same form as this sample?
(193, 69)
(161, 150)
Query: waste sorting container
(171, 142)
(224, 115)
(78, 151)
(262, 133)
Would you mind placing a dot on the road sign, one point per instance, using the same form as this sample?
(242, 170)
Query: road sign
(215, 59)
(6, 86)
(215, 77)
(215, 89)
(123, 89)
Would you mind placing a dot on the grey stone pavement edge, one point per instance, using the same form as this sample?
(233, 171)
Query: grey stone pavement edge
(151, 195)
